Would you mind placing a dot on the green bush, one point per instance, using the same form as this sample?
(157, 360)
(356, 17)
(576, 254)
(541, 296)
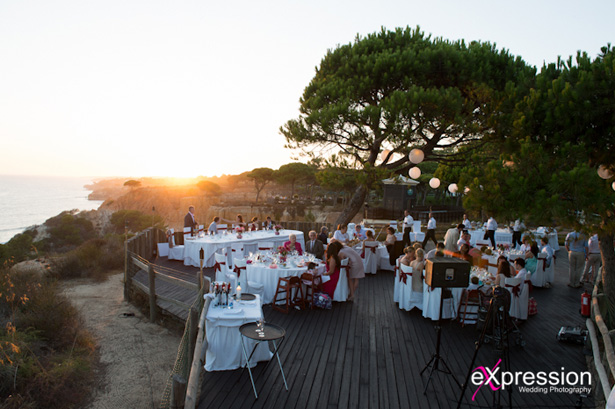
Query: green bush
(67, 231)
(93, 258)
(135, 221)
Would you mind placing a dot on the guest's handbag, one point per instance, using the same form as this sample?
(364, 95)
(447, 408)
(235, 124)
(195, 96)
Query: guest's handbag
(532, 306)
(322, 300)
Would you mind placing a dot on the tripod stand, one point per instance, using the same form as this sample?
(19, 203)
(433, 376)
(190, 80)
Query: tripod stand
(436, 358)
(499, 321)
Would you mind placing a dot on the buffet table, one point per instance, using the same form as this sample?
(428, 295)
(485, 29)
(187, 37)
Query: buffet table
(250, 240)
(224, 339)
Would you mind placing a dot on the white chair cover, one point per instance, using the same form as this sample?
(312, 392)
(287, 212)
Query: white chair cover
(539, 278)
(222, 227)
(396, 286)
(341, 291)
(518, 302)
(409, 299)
(550, 271)
(201, 228)
(265, 245)
(187, 231)
(163, 249)
(237, 251)
(232, 278)
(431, 303)
(416, 228)
(370, 262)
(252, 287)
(176, 252)
(220, 268)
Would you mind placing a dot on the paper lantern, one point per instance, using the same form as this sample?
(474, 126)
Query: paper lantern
(416, 156)
(452, 188)
(434, 182)
(604, 172)
(466, 190)
(415, 172)
(613, 185)
(384, 154)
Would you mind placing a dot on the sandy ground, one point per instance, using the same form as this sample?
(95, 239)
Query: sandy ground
(136, 356)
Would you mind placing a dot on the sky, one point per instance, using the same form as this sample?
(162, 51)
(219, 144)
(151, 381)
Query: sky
(185, 88)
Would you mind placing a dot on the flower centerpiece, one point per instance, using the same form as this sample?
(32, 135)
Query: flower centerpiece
(239, 230)
(503, 246)
(282, 252)
(277, 228)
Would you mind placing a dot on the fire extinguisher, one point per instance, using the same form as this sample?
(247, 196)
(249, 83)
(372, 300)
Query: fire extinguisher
(585, 304)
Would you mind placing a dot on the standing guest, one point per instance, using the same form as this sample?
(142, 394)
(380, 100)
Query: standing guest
(293, 245)
(418, 265)
(333, 268)
(576, 246)
(341, 234)
(213, 227)
(268, 224)
(518, 228)
(593, 259)
(389, 242)
(189, 220)
(466, 222)
(433, 253)
(452, 236)
(314, 246)
(492, 226)
(359, 232)
(546, 248)
(409, 256)
(431, 230)
(408, 226)
(355, 269)
(324, 234)
(253, 225)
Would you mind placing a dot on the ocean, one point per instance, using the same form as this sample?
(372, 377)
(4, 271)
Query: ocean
(30, 200)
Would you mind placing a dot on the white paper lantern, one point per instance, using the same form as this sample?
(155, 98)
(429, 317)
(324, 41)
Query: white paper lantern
(415, 172)
(466, 190)
(434, 183)
(613, 185)
(452, 188)
(604, 172)
(416, 156)
(384, 154)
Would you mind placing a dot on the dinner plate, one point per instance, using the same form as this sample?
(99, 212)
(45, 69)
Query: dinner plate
(247, 297)
(233, 311)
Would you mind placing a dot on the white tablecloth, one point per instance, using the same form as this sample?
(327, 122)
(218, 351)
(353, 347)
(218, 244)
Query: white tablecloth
(431, 303)
(502, 236)
(268, 277)
(250, 240)
(382, 255)
(224, 339)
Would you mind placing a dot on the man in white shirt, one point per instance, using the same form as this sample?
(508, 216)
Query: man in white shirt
(431, 231)
(407, 225)
(518, 228)
(593, 259)
(452, 237)
(213, 227)
(466, 222)
(434, 252)
(465, 239)
(492, 226)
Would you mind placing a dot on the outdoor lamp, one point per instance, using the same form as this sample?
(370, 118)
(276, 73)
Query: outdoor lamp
(416, 156)
(384, 154)
(604, 172)
(415, 172)
(434, 182)
(452, 188)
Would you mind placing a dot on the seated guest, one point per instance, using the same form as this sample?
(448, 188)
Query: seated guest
(547, 249)
(292, 244)
(432, 253)
(520, 267)
(465, 239)
(409, 256)
(463, 254)
(341, 234)
(359, 232)
(239, 221)
(418, 265)
(314, 246)
(527, 244)
(253, 225)
(474, 284)
(390, 243)
(324, 235)
(369, 236)
(466, 222)
(268, 224)
(213, 227)
(418, 245)
(504, 271)
(530, 259)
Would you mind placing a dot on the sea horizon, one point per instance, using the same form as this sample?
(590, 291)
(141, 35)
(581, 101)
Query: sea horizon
(29, 200)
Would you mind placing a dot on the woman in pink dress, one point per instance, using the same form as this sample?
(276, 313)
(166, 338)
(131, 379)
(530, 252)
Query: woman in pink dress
(292, 244)
(333, 268)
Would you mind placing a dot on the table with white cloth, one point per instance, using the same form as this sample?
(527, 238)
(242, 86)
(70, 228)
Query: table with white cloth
(268, 274)
(552, 235)
(382, 255)
(250, 240)
(502, 236)
(431, 303)
(224, 339)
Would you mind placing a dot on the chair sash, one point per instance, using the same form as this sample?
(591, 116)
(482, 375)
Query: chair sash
(238, 269)
(217, 266)
(264, 248)
(515, 289)
(373, 248)
(529, 282)
(404, 276)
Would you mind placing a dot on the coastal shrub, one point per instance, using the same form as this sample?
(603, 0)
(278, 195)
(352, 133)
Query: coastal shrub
(135, 220)
(94, 258)
(66, 231)
(19, 248)
(46, 356)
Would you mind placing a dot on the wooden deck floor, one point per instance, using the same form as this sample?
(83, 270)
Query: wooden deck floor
(368, 354)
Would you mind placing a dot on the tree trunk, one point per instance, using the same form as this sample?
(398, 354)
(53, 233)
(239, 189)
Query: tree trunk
(608, 267)
(353, 207)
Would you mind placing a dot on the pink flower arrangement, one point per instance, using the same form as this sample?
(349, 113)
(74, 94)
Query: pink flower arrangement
(282, 250)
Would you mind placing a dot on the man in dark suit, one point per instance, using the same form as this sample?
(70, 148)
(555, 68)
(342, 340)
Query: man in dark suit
(314, 246)
(189, 220)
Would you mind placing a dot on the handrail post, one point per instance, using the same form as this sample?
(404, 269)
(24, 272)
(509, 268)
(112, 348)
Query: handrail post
(152, 293)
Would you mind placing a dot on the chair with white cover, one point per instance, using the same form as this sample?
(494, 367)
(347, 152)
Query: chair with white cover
(539, 278)
(409, 299)
(163, 249)
(519, 297)
(250, 286)
(396, 286)
(175, 252)
(201, 229)
(550, 271)
(341, 291)
(187, 232)
(220, 267)
(370, 262)
(222, 228)
(265, 245)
